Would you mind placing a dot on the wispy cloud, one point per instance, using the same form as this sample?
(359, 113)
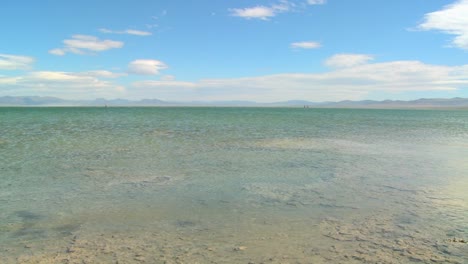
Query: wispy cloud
(306, 45)
(103, 74)
(354, 82)
(316, 2)
(84, 44)
(453, 20)
(146, 67)
(265, 12)
(15, 62)
(347, 60)
(127, 31)
(58, 52)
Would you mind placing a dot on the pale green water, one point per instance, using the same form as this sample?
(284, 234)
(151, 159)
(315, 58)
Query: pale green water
(192, 185)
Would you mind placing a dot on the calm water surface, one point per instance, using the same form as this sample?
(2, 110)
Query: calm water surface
(233, 185)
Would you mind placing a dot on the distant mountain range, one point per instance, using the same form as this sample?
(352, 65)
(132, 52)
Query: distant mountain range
(456, 102)
(54, 101)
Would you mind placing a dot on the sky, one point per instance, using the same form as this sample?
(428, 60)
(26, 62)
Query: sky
(220, 50)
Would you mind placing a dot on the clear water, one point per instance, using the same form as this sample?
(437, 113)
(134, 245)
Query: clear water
(233, 185)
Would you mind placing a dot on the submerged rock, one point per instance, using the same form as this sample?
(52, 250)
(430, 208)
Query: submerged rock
(379, 240)
(458, 240)
(240, 248)
(28, 215)
(140, 181)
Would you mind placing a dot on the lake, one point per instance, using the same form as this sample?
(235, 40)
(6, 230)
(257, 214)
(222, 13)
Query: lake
(233, 185)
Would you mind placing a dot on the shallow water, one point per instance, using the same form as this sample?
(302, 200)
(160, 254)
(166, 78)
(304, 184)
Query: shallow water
(233, 185)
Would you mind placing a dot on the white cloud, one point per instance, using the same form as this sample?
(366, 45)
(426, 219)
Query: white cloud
(7, 80)
(259, 12)
(137, 32)
(58, 52)
(266, 12)
(283, 6)
(263, 12)
(347, 60)
(127, 31)
(452, 19)
(68, 85)
(353, 83)
(306, 45)
(316, 2)
(55, 76)
(83, 44)
(103, 74)
(146, 67)
(15, 62)
(178, 84)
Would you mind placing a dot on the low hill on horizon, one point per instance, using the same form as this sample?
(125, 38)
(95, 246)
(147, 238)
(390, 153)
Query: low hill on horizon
(48, 101)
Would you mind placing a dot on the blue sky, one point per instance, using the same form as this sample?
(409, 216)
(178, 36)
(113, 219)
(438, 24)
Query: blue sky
(213, 50)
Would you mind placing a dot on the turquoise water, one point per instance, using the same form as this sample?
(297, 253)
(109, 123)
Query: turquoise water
(233, 185)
